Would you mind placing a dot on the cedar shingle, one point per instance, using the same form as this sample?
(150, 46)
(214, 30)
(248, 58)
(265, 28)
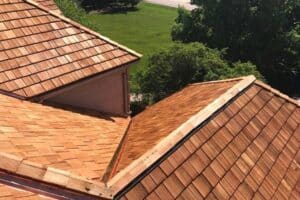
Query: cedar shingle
(244, 152)
(49, 47)
(67, 140)
(159, 120)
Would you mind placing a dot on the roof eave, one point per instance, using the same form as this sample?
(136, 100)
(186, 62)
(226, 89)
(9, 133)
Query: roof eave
(45, 95)
(64, 180)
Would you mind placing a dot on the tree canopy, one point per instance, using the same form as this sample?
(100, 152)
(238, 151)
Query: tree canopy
(265, 32)
(103, 4)
(172, 69)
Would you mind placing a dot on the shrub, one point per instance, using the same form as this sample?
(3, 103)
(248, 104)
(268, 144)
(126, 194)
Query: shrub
(72, 10)
(172, 69)
(102, 4)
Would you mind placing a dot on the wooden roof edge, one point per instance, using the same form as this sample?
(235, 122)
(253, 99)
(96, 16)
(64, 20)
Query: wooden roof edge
(219, 81)
(111, 169)
(49, 175)
(278, 93)
(12, 94)
(42, 96)
(67, 20)
(132, 171)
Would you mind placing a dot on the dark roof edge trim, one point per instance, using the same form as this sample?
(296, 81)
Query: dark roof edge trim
(40, 188)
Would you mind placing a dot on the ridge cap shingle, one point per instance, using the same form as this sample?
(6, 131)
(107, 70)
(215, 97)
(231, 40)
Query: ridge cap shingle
(277, 92)
(135, 168)
(218, 81)
(51, 175)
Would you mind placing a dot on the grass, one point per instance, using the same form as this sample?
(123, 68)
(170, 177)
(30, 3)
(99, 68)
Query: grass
(144, 30)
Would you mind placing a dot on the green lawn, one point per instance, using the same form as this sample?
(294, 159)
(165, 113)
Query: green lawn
(145, 30)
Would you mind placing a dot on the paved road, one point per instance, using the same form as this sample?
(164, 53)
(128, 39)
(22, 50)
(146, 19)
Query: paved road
(174, 3)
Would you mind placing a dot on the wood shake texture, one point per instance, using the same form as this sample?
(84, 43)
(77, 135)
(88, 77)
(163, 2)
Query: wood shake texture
(248, 150)
(66, 140)
(41, 51)
(159, 120)
(231, 139)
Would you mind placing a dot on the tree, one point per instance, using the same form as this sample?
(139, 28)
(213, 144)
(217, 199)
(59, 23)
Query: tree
(72, 10)
(102, 4)
(172, 69)
(262, 31)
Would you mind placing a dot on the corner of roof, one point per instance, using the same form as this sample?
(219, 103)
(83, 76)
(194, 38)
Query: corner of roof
(67, 20)
(65, 179)
(137, 167)
(277, 92)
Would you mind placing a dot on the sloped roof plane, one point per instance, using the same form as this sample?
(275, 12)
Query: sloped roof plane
(41, 50)
(157, 122)
(250, 133)
(61, 139)
(240, 141)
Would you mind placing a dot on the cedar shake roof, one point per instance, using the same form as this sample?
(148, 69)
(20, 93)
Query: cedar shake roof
(240, 140)
(243, 145)
(81, 144)
(158, 121)
(49, 4)
(41, 50)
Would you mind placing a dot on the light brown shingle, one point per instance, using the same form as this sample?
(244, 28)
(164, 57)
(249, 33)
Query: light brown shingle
(42, 51)
(248, 150)
(66, 140)
(159, 120)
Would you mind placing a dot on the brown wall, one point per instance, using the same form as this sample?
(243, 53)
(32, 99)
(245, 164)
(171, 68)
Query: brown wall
(244, 152)
(106, 93)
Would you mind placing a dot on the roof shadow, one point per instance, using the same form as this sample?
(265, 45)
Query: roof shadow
(84, 111)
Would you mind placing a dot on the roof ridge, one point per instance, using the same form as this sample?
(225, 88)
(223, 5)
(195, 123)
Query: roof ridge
(50, 175)
(277, 92)
(125, 176)
(192, 84)
(67, 20)
(218, 81)
(117, 156)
